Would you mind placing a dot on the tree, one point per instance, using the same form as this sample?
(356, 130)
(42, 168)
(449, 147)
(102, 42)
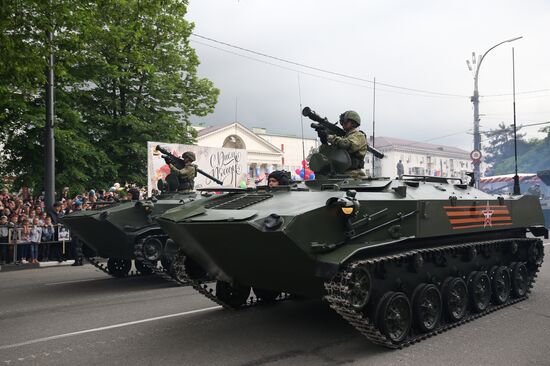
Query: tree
(125, 75)
(533, 155)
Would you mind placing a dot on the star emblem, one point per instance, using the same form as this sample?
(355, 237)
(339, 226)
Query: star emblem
(488, 214)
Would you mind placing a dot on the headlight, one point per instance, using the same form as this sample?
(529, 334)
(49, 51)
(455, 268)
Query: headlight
(347, 210)
(348, 204)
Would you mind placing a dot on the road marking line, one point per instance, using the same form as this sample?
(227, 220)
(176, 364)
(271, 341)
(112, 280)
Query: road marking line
(76, 281)
(45, 339)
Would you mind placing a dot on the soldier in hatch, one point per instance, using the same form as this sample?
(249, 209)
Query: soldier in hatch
(186, 175)
(354, 142)
(278, 178)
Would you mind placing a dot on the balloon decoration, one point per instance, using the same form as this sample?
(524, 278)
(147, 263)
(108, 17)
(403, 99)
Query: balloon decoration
(305, 173)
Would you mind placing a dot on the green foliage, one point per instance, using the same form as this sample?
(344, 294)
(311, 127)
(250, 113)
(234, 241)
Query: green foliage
(125, 74)
(533, 155)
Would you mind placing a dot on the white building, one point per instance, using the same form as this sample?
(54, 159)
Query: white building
(268, 152)
(419, 158)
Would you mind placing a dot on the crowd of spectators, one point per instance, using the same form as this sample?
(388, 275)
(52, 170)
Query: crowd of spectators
(27, 227)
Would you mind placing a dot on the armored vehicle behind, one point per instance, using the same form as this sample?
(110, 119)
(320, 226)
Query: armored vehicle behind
(116, 231)
(127, 231)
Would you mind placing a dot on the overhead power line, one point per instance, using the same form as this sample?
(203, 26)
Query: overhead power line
(510, 94)
(393, 91)
(511, 128)
(328, 71)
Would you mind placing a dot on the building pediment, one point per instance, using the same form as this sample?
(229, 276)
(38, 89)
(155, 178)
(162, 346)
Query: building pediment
(235, 135)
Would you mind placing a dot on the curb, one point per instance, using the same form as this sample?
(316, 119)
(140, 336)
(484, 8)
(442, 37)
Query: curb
(17, 267)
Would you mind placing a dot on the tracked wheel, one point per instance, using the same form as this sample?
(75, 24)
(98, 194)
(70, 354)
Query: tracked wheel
(142, 268)
(480, 291)
(455, 298)
(152, 249)
(535, 253)
(119, 267)
(361, 287)
(177, 267)
(427, 307)
(520, 280)
(233, 295)
(394, 316)
(501, 285)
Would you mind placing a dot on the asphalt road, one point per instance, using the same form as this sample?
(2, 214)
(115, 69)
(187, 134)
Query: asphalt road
(78, 315)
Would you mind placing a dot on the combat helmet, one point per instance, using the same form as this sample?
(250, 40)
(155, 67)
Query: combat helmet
(189, 155)
(352, 116)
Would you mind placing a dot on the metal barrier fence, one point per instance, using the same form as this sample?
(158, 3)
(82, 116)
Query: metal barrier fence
(14, 238)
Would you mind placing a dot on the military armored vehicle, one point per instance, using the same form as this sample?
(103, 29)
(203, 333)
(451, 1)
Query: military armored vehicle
(544, 176)
(127, 231)
(399, 259)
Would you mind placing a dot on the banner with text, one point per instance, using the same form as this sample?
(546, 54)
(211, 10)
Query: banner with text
(227, 165)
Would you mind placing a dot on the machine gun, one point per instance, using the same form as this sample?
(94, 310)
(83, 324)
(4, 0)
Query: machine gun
(180, 163)
(331, 128)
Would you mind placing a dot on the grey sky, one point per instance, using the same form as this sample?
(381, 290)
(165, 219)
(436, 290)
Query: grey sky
(414, 44)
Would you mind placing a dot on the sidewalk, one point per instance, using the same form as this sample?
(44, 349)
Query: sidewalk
(16, 267)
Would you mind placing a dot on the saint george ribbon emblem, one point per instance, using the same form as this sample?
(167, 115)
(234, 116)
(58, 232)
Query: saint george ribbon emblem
(475, 216)
(488, 213)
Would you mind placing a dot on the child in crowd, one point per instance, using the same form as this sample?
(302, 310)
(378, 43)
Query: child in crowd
(35, 237)
(23, 241)
(48, 232)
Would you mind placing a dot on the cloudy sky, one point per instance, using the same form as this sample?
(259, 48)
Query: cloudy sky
(420, 47)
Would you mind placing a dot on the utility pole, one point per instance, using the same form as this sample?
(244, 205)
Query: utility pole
(373, 123)
(475, 100)
(49, 138)
(516, 177)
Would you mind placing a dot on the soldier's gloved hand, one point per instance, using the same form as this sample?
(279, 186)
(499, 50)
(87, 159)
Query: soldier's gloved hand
(322, 135)
(166, 160)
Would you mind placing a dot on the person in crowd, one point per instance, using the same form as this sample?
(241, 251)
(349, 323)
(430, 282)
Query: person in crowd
(354, 142)
(64, 194)
(278, 178)
(69, 206)
(55, 248)
(76, 249)
(35, 238)
(23, 241)
(92, 197)
(400, 169)
(48, 233)
(134, 193)
(4, 248)
(41, 218)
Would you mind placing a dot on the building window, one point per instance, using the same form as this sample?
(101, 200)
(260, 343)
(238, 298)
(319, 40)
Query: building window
(234, 142)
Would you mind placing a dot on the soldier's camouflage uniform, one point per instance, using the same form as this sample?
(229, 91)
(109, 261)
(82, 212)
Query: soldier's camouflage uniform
(355, 143)
(186, 176)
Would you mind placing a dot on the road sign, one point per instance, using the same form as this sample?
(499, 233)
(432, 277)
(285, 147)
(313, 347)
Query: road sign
(475, 155)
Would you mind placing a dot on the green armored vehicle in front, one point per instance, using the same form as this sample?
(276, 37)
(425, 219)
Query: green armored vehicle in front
(400, 260)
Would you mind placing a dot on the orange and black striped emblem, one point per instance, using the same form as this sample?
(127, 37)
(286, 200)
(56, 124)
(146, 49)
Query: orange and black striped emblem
(487, 216)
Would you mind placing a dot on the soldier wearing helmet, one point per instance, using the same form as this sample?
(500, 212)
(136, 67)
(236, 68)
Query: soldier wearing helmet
(354, 142)
(186, 175)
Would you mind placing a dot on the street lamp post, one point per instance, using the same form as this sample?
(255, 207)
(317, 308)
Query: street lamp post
(475, 101)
